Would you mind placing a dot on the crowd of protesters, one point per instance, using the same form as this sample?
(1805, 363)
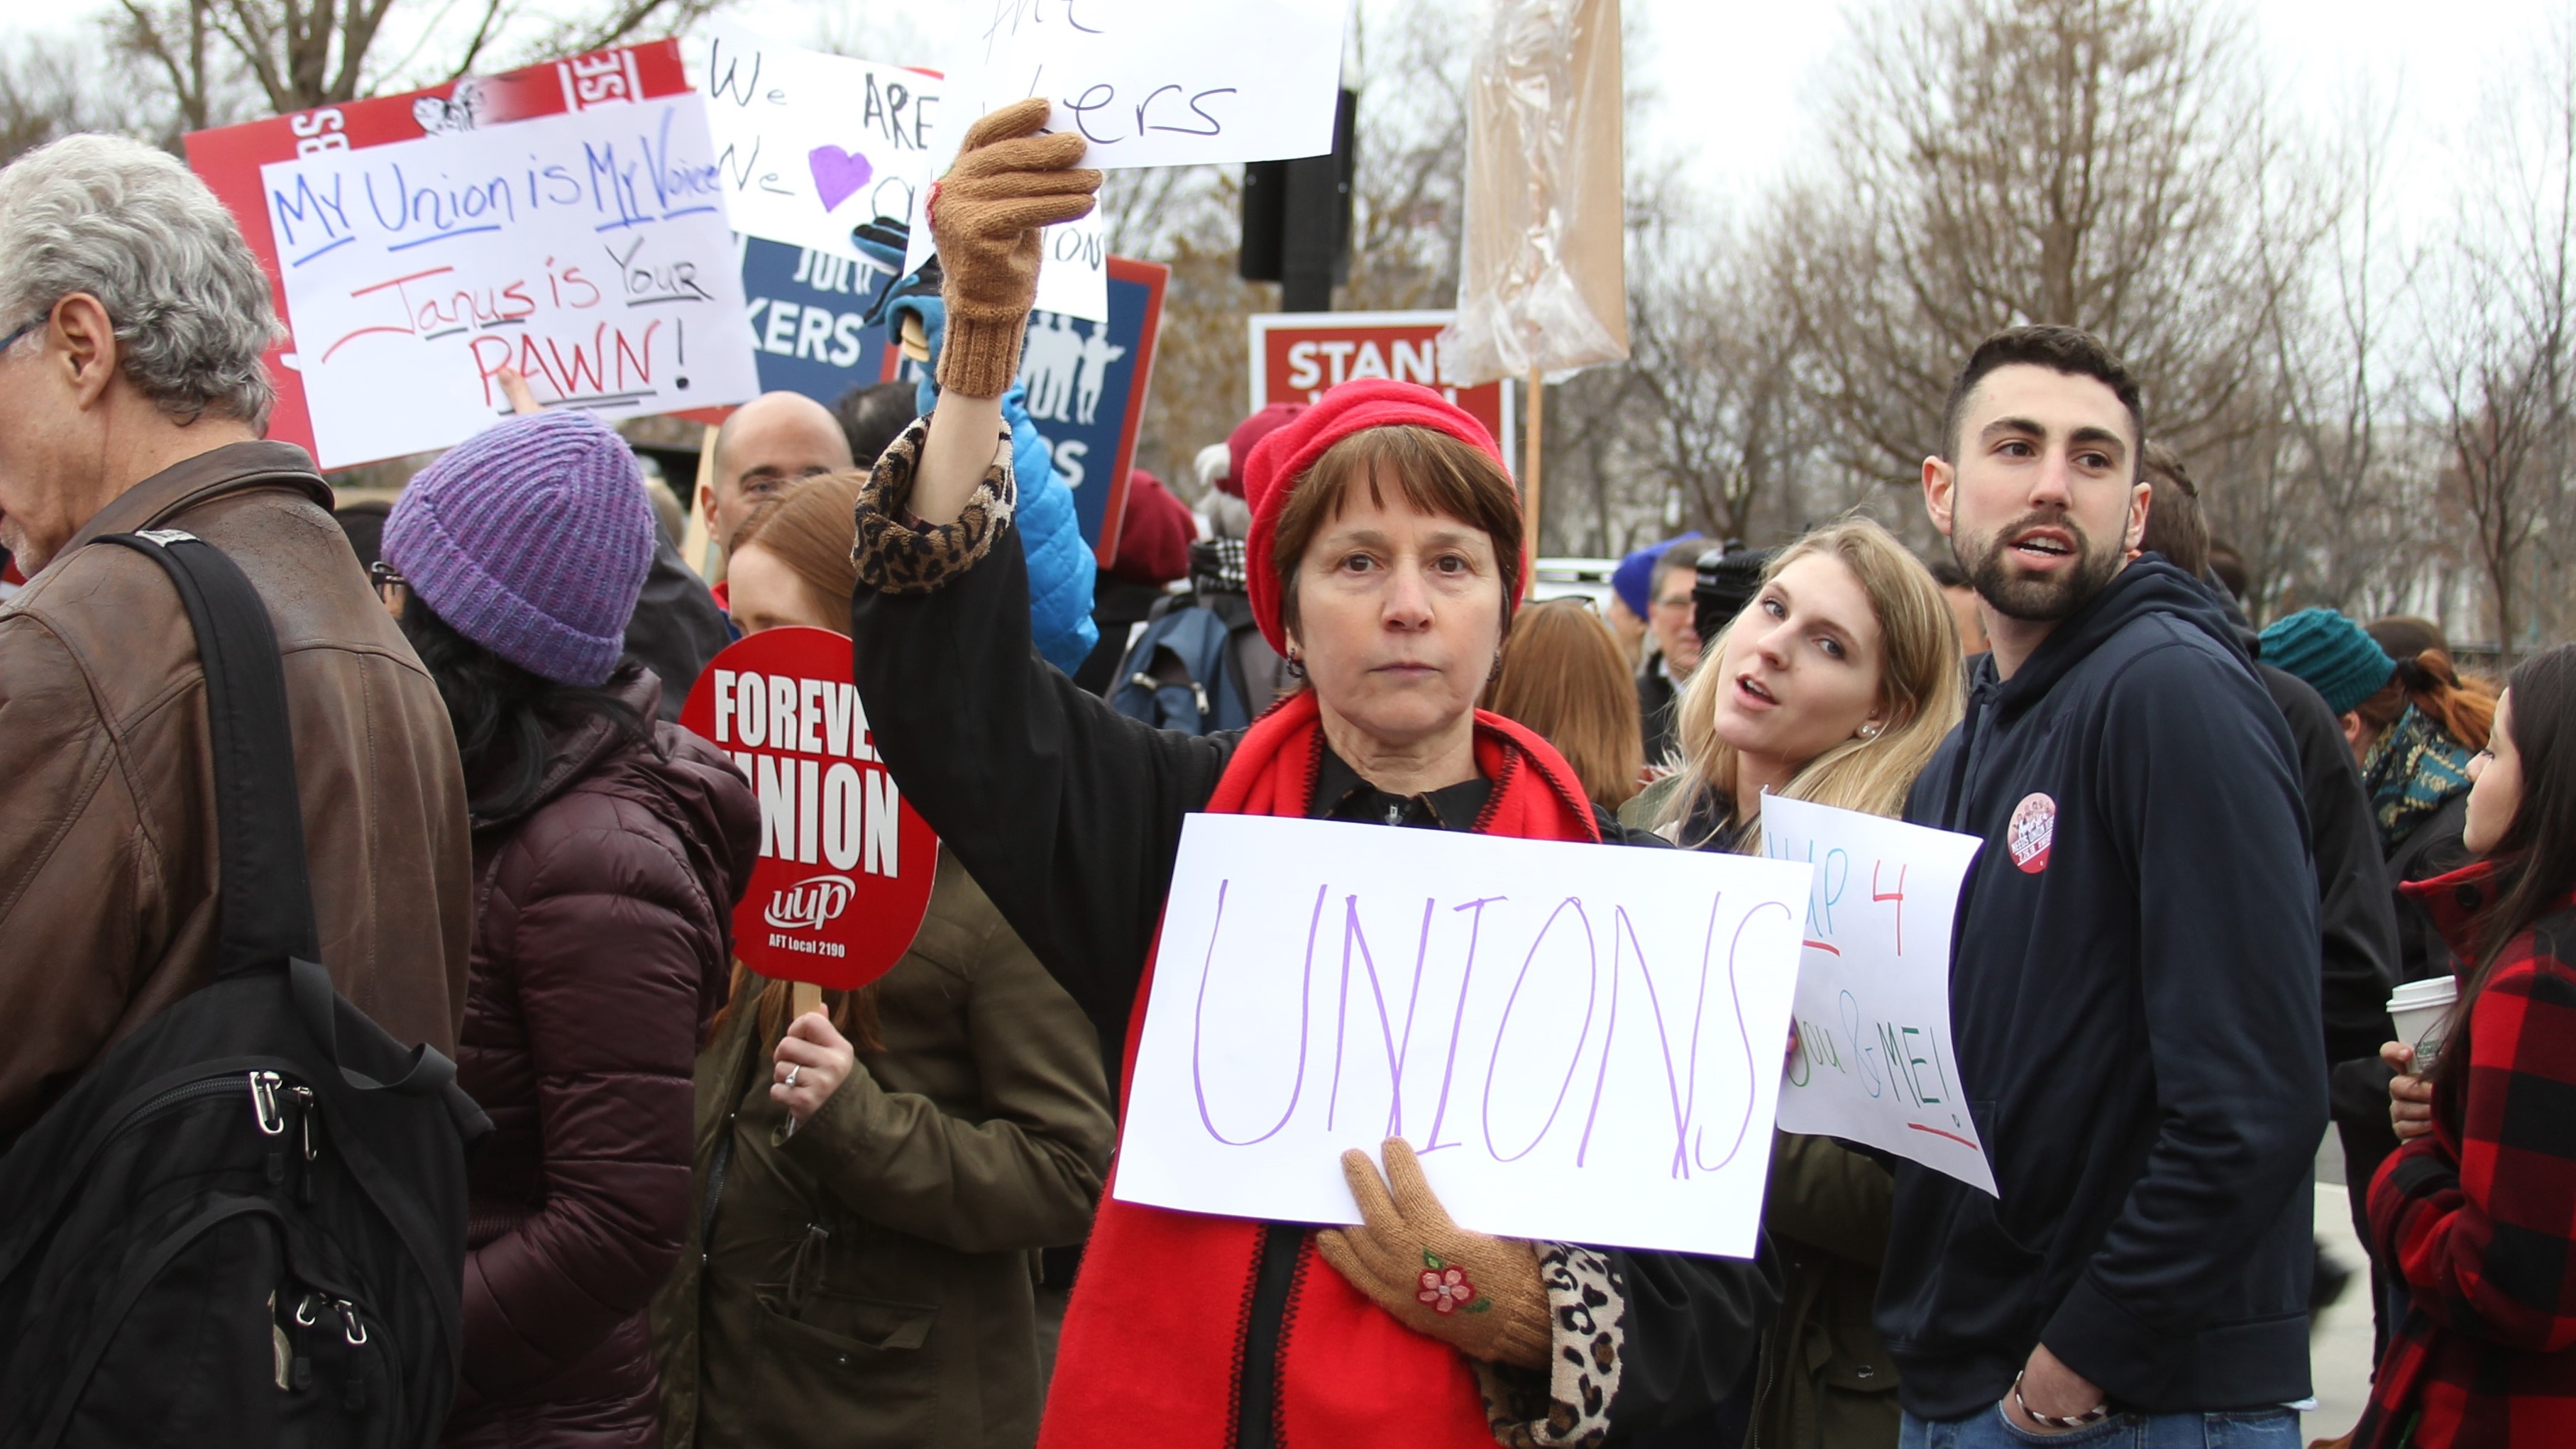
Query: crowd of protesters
(702, 1216)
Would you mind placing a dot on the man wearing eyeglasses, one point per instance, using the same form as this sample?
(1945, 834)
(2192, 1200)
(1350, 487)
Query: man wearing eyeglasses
(132, 319)
(1670, 620)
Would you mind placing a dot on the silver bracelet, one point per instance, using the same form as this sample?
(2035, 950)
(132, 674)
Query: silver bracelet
(2087, 1419)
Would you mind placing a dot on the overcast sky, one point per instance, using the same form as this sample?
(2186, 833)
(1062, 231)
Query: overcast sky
(1734, 79)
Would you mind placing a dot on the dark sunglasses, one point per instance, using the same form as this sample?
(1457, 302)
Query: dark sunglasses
(389, 584)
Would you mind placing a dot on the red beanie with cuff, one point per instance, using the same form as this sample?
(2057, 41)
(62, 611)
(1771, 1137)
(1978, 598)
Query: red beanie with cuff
(1282, 459)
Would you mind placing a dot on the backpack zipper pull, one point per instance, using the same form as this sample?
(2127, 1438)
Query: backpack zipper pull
(263, 1103)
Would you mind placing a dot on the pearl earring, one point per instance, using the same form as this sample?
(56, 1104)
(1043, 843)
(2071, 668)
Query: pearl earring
(1869, 730)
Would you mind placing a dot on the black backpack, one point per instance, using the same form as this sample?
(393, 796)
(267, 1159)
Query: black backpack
(1180, 673)
(246, 1224)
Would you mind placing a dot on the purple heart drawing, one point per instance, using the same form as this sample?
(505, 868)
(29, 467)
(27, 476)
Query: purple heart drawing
(837, 174)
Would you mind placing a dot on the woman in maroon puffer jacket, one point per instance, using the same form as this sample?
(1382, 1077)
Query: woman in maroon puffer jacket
(608, 853)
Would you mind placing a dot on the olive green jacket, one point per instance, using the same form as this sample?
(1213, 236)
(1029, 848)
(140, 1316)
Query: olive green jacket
(1825, 1381)
(870, 1278)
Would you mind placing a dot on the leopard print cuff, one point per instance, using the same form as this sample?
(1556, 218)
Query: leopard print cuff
(896, 553)
(1571, 1405)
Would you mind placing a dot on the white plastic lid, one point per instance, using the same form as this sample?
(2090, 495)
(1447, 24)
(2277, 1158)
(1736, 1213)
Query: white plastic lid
(2431, 991)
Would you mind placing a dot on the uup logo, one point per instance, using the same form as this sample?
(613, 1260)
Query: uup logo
(808, 904)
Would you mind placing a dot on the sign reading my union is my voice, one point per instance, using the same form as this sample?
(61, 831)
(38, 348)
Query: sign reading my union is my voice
(845, 866)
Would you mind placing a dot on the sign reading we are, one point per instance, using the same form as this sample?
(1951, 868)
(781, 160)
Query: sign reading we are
(1583, 1042)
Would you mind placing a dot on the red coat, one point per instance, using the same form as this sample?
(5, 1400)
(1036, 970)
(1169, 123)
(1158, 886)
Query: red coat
(602, 948)
(2480, 1214)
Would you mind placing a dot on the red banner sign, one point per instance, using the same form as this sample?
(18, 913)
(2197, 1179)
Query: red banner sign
(845, 865)
(228, 159)
(1296, 356)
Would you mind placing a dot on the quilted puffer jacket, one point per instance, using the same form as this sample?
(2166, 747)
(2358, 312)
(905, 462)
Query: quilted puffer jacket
(1062, 568)
(601, 950)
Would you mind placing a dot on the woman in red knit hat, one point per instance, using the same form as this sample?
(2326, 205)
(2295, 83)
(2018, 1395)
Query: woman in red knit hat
(1385, 558)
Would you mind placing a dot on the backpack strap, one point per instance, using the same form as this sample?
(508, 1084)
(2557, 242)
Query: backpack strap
(265, 904)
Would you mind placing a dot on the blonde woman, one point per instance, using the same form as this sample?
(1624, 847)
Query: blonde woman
(1836, 684)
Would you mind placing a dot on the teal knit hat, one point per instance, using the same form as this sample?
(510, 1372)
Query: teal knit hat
(2332, 654)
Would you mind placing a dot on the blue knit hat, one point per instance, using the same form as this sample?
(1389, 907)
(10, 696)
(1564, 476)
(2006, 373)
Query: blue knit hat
(1634, 578)
(2331, 653)
(532, 539)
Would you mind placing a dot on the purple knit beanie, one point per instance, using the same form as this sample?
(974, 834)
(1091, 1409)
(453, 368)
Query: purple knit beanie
(532, 539)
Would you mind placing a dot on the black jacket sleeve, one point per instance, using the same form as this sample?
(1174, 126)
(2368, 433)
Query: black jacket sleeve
(2357, 913)
(1066, 812)
(1691, 1327)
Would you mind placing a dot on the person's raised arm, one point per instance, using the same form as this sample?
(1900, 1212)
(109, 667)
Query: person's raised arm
(1008, 182)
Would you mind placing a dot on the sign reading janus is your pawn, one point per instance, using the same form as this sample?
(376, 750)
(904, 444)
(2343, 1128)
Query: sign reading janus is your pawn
(587, 250)
(846, 866)
(1875, 1061)
(1582, 1042)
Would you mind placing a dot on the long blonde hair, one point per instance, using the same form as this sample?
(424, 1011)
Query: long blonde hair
(1920, 687)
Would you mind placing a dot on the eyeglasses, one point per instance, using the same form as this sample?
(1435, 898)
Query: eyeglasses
(22, 330)
(389, 585)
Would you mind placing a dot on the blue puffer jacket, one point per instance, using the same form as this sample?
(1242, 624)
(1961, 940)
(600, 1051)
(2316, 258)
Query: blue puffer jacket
(1060, 562)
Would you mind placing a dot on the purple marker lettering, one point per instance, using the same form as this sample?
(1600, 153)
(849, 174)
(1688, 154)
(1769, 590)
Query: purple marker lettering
(1663, 1038)
(1735, 984)
(1351, 935)
(1591, 989)
(1198, 1023)
(1457, 1024)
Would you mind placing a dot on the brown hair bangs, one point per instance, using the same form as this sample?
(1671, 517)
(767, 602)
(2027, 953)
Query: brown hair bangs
(1434, 472)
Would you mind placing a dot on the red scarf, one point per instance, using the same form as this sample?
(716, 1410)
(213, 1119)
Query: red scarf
(1154, 1338)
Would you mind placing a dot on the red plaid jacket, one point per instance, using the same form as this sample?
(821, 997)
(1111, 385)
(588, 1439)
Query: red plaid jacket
(2481, 1218)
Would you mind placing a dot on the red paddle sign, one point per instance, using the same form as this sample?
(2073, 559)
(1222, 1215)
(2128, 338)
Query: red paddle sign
(845, 864)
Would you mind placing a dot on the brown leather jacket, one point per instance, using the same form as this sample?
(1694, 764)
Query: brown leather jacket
(107, 829)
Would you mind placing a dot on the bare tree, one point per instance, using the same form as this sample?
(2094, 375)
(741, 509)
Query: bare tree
(2112, 164)
(2502, 342)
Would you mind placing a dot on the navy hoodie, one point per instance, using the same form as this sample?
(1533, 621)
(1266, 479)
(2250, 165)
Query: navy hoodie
(2134, 986)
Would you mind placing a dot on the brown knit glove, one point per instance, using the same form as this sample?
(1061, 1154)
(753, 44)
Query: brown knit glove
(1477, 1294)
(1008, 181)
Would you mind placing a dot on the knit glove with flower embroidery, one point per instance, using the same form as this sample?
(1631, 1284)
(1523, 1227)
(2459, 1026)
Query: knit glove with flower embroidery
(1480, 1295)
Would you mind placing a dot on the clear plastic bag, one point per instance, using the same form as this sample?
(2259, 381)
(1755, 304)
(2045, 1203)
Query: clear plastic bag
(1542, 284)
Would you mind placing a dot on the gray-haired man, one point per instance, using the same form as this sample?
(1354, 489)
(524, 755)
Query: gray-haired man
(132, 396)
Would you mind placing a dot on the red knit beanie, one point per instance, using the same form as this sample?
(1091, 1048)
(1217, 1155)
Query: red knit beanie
(1153, 534)
(1239, 443)
(1281, 461)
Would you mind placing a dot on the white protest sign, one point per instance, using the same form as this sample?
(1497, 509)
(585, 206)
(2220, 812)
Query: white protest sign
(1583, 1042)
(587, 250)
(1151, 83)
(810, 145)
(1875, 1062)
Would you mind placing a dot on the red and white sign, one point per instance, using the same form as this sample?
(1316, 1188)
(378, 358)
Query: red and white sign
(229, 159)
(1296, 356)
(845, 866)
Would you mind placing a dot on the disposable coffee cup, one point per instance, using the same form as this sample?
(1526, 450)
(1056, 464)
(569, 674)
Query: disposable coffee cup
(2422, 1012)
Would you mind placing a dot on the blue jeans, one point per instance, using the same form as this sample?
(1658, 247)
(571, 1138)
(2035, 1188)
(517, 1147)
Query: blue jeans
(2254, 1429)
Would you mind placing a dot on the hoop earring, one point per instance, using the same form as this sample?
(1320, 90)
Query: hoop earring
(1296, 665)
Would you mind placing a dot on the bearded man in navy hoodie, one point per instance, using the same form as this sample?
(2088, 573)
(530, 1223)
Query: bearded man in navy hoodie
(2135, 972)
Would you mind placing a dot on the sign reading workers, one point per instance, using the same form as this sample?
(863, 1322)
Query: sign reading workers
(1297, 355)
(845, 865)
(1583, 1043)
(1875, 1062)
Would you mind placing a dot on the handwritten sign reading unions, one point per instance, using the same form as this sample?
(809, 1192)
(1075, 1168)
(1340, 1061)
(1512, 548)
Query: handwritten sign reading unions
(808, 144)
(846, 865)
(1875, 1062)
(1151, 83)
(1583, 1042)
(587, 250)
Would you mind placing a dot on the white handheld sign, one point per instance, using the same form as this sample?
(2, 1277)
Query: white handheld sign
(1875, 1061)
(587, 250)
(1582, 1042)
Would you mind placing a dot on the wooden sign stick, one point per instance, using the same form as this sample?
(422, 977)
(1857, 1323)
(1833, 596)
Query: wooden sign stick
(803, 996)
